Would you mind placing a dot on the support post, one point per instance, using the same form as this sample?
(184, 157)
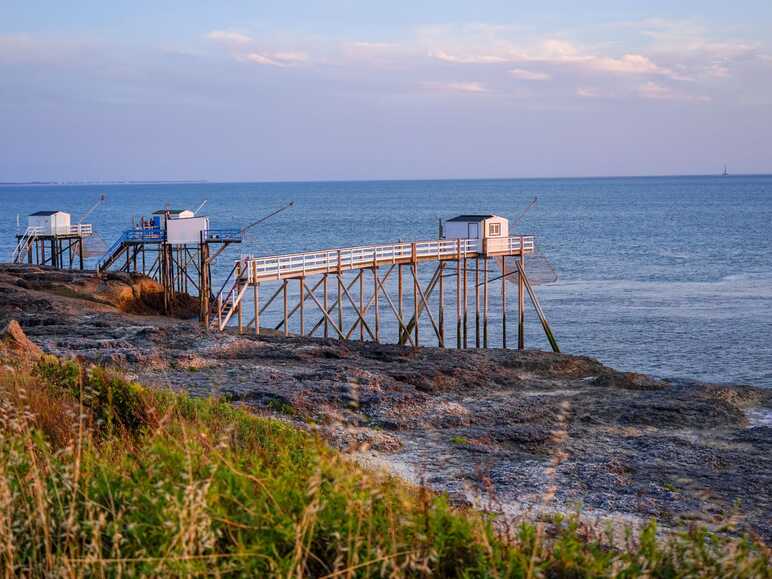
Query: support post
(521, 300)
(485, 303)
(503, 307)
(458, 294)
(257, 307)
(477, 302)
(376, 305)
(361, 305)
(302, 287)
(324, 301)
(466, 311)
(441, 312)
(238, 292)
(286, 308)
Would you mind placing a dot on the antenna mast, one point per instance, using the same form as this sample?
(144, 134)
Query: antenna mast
(102, 199)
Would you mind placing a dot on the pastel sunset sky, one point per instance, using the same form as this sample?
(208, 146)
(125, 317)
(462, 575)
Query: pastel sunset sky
(343, 89)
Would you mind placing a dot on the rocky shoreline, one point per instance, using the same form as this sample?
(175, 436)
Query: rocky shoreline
(513, 432)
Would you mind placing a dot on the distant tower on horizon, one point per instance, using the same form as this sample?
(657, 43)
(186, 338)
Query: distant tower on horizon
(725, 173)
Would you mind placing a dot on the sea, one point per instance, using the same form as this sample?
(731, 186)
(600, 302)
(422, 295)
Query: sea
(669, 276)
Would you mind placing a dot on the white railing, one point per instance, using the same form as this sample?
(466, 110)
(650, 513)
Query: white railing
(83, 229)
(256, 268)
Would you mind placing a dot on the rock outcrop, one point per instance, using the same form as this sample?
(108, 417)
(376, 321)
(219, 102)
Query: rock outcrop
(510, 431)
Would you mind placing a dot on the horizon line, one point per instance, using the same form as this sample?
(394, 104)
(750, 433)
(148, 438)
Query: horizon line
(346, 180)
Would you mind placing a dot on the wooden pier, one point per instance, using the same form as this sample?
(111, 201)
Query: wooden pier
(61, 247)
(332, 282)
(181, 268)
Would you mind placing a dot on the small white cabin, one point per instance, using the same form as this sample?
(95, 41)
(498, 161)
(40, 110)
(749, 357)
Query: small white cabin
(158, 216)
(50, 222)
(475, 227)
(186, 230)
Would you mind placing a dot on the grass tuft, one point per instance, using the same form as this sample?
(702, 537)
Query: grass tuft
(100, 476)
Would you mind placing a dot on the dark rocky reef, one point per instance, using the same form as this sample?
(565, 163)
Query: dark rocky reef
(515, 432)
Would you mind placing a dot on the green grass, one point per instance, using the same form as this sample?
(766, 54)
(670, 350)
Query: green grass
(102, 477)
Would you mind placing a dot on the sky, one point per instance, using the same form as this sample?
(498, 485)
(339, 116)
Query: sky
(343, 89)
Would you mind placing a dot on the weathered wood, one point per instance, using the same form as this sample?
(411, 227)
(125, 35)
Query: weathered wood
(503, 307)
(464, 291)
(425, 301)
(238, 285)
(458, 294)
(411, 322)
(296, 307)
(326, 315)
(358, 312)
(302, 288)
(539, 312)
(521, 304)
(441, 306)
(485, 303)
(376, 305)
(257, 308)
(324, 309)
(361, 305)
(402, 327)
(477, 302)
(286, 318)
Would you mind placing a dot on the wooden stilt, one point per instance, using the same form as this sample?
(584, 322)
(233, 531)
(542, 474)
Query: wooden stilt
(399, 292)
(466, 312)
(503, 309)
(477, 302)
(458, 294)
(302, 287)
(441, 307)
(377, 305)
(286, 308)
(361, 306)
(324, 299)
(485, 302)
(238, 288)
(340, 301)
(521, 301)
(416, 312)
(539, 312)
(256, 296)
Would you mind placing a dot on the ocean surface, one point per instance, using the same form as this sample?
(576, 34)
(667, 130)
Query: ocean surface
(668, 276)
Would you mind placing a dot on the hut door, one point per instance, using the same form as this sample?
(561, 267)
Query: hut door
(474, 230)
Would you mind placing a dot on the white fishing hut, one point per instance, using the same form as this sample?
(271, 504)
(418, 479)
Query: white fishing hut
(181, 225)
(475, 227)
(49, 222)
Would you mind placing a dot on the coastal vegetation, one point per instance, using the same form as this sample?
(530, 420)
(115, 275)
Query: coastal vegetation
(100, 476)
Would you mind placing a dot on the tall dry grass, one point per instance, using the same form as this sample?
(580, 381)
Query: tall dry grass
(101, 477)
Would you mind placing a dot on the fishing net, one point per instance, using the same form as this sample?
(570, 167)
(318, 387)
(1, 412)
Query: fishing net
(94, 246)
(538, 269)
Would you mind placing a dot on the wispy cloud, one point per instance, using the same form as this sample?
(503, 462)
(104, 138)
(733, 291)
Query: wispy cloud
(274, 59)
(458, 87)
(559, 52)
(587, 92)
(243, 48)
(655, 91)
(469, 59)
(522, 74)
(229, 37)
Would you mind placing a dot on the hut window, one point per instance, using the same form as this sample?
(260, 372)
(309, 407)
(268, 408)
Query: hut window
(494, 229)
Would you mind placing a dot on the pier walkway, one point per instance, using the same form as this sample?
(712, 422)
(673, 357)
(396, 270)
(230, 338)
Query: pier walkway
(453, 258)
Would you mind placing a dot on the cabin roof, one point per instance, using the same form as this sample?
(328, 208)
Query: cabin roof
(472, 218)
(171, 211)
(44, 213)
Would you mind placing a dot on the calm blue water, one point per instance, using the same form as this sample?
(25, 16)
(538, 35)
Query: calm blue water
(670, 276)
